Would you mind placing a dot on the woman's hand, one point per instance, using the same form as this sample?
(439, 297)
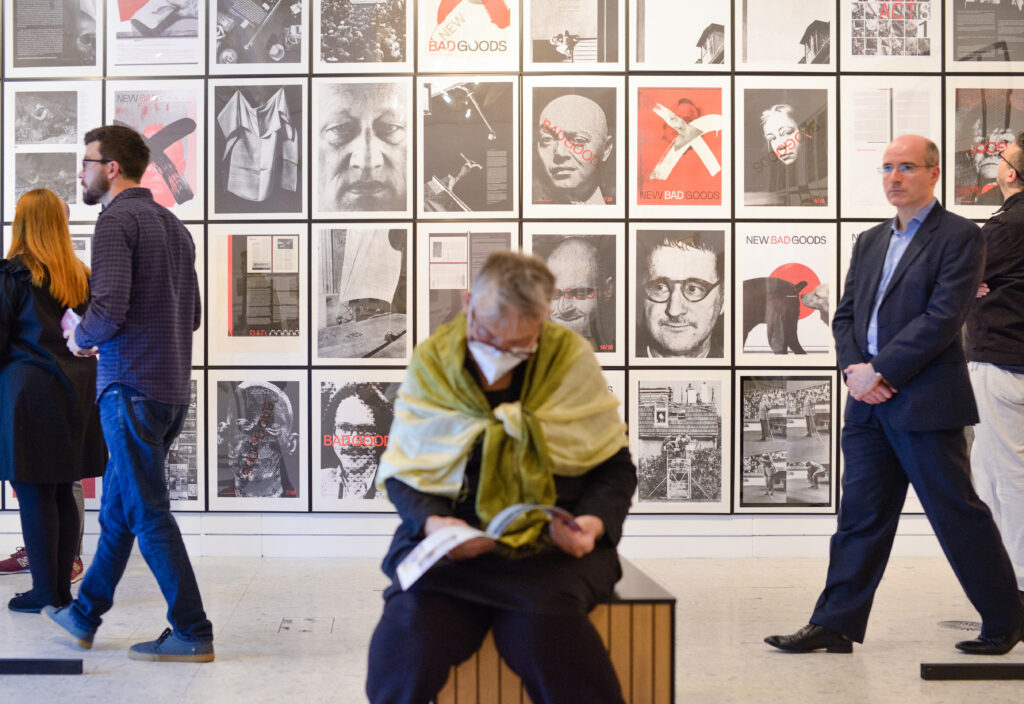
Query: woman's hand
(467, 550)
(577, 541)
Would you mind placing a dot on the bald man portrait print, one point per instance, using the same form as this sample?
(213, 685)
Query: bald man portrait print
(574, 149)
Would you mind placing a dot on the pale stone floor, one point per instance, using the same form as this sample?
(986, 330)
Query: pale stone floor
(296, 630)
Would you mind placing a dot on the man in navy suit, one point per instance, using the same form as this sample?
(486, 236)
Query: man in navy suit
(897, 332)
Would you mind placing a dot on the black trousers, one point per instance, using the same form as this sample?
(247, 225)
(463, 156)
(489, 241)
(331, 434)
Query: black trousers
(560, 657)
(50, 525)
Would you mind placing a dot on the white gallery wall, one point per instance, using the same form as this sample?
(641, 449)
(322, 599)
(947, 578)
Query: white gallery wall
(345, 166)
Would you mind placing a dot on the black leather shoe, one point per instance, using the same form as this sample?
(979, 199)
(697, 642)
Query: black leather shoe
(812, 637)
(992, 646)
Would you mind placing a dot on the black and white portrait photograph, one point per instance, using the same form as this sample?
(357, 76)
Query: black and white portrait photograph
(258, 275)
(876, 110)
(185, 469)
(786, 444)
(362, 134)
(791, 37)
(785, 276)
(355, 409)
(256, 157)
(468, 148)
(580, 35)
(259, 424)
(449, 256)
(265, 37)
(362, 294)
(44, 123)
(468, 35)
(662, 43)
(984, 35)
(679, 299)
(53, 39)
(891, 35)
(155, 37)
(984, 116)
(588, 263)
(574, 168)
(679, 437)
(362, 36)
(787, 148)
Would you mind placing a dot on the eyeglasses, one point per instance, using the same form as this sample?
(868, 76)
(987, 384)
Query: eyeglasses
(522, 353)
(694, 290)
(1008, 162)
(574, 294)
(905, 169)
(86, 162)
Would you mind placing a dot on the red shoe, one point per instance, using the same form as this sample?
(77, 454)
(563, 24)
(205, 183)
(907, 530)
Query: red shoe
(16, 563)
(77, 571)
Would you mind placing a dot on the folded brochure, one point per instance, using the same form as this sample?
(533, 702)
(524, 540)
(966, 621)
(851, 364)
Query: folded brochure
(441, 542)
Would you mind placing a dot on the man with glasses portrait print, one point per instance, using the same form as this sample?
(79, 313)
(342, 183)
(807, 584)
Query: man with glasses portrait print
(583, 300)
(681, 293)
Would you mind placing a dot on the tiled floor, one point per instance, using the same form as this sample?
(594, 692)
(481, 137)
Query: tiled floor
(296, 630)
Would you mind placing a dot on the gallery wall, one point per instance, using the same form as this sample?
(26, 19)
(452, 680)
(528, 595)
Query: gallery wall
(695, 174)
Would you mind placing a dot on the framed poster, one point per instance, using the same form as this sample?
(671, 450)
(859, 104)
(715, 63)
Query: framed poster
(355, 36)
(984, 36)
(576, 131)
(466, 36)
(362, 286)
(44, 124)
(53, 40)
(680, 295)
(259, 420)
(786, 276)
(788, 147)
(468, 147)
(662, 43)
(354, 409)
(900, 36)
(877, 110)
(680, 155)
(785, 37)
(785, 444)
(269, 37)
(257, 274)
(198, 233)
(984, 114)
(588, 261)
(679, 436)
(361, 133)
(186, 464)
(257, 154)
(169, 116)
(449, 256)
(155, 38)
(574, 35)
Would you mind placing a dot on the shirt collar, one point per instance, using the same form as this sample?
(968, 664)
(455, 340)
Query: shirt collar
(136, 192)
(919, 217)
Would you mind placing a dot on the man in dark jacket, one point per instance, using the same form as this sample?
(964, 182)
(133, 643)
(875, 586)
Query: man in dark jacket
(995, 349)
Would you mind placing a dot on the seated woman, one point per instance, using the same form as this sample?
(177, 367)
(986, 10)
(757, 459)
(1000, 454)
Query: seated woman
(499, 407)
(50, 432)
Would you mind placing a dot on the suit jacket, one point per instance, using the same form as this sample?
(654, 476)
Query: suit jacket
(919, 322)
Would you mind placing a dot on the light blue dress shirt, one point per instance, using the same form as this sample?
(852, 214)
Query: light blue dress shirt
(898, 243)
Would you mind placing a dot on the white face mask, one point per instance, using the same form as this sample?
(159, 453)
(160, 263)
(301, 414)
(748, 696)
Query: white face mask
(492, 362)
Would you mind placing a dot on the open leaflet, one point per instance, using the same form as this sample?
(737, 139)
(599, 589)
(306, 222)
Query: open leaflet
(440, 542)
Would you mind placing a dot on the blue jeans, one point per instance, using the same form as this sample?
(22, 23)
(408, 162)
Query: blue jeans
(135, 502)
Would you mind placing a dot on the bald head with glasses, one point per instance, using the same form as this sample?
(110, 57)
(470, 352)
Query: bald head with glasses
(681, 294)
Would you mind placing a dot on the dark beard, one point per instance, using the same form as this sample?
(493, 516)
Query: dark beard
(95, 193)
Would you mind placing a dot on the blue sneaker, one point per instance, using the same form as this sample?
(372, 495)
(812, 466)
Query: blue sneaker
(61, 618)
(170, 647)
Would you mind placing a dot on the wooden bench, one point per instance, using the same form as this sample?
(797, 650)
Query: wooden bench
(637, 625)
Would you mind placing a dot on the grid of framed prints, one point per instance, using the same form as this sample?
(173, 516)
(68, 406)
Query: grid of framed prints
(694, 174)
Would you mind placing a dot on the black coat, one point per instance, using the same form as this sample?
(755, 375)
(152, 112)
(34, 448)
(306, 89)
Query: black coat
(49, 425)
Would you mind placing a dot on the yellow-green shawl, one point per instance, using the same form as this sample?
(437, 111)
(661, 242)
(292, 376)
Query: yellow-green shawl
(564, 424)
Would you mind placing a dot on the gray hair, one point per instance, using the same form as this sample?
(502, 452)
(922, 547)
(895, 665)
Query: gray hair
(512, 281)
(781, 108)
(931, 153)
